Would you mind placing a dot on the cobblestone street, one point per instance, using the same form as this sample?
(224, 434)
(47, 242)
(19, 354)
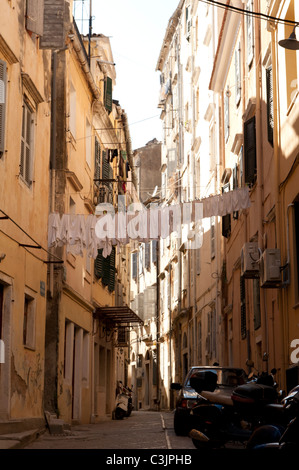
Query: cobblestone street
(142, 430)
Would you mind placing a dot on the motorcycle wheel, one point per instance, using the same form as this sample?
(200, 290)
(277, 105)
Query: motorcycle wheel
(180, 427)
(118, 414)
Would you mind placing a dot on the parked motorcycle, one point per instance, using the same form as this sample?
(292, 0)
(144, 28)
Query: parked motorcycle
(123, 402)
(218, 418)
(281, 437)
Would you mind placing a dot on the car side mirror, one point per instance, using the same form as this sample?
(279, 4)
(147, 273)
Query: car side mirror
(175, 386)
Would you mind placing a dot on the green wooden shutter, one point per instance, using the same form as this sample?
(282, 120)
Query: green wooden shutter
(250, 151)
(98, 265)
(108, 94)
(97, 161)
(270, 111)
(111, 283)
(2, 105)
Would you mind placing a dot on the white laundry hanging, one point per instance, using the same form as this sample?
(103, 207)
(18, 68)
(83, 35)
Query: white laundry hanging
(103, 232)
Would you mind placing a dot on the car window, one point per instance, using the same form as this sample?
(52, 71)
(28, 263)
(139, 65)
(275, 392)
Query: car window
(229, 377)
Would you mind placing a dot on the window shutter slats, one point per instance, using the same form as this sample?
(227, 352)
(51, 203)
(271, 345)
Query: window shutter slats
(53, 32)
(2, 105)
(250, 151)
(108, 94)
(35, 16)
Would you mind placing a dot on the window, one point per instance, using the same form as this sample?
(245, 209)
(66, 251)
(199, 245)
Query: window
(250, 151)
(212, 237)
(2, 105)
(188, 22)
(97, 162)
(134, 265)
(35, 16)
(147, 255)
(26, 158)
(250, 33)
(154, 250)
(104, 269)
(171, 162)
(270, 110)
(29, 322)
(108, 94)
(235, 186)
(226, 219)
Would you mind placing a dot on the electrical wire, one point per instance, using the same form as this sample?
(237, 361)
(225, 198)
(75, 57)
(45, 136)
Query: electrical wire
(248, 12)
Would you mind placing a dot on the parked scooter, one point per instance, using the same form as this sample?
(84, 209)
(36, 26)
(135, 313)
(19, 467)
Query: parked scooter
(123, 402)
(218, 419)
(282, 437)
(130, 400)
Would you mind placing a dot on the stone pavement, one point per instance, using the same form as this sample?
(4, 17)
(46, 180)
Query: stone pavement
(142, 430)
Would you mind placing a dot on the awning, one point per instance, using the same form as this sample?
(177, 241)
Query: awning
(119, 315)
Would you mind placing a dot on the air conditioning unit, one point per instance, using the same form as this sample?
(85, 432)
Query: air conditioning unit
(270, 272)
(250, 260)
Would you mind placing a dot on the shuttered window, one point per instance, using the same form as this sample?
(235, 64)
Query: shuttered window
(147, 255)
(250, 33)
(97, 162)
(107, 174)
(104, 269)
(212, 237)
(243, 307)
(270, 111)
(2, 105)
(53, 32)
(250, 151)
(26, 144)
(226, 219)
(134, 265)
(108, 94)
(35, 16)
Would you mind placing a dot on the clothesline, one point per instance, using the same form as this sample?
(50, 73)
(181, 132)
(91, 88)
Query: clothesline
(94, 232)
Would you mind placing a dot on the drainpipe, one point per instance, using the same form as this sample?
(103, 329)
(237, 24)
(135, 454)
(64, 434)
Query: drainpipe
(158, 324)
(259, 147)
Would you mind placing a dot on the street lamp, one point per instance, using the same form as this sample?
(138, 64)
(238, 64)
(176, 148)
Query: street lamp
(291, 43)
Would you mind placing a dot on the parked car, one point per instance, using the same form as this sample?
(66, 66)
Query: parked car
(228, 378)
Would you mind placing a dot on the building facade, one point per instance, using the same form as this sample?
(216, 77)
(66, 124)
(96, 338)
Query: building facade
(25, 123)
(230, 131)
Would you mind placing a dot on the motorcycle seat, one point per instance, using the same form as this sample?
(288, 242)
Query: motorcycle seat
(218, 396)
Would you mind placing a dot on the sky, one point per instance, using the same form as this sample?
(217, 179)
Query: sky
(136, 29)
